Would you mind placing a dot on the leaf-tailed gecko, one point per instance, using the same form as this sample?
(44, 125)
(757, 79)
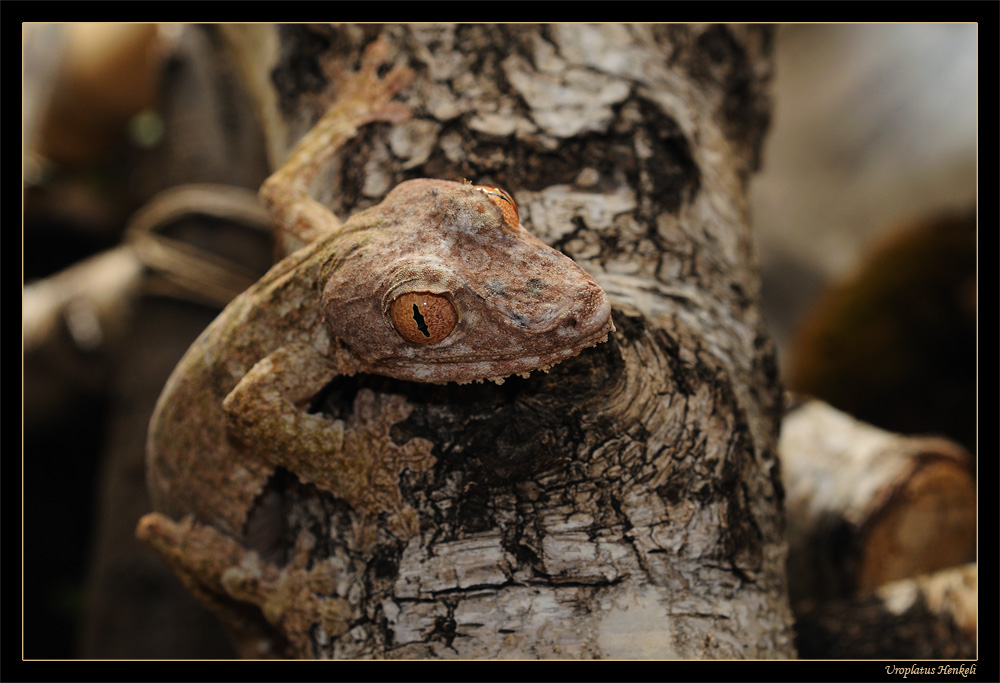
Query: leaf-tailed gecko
(438, 283)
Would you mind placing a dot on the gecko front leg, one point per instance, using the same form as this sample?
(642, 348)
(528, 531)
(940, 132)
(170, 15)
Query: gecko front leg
(356, 462)
(361, 98)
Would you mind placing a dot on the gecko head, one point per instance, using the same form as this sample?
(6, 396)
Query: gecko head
(440, 283)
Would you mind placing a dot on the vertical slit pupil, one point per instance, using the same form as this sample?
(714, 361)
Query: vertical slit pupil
(419, 319)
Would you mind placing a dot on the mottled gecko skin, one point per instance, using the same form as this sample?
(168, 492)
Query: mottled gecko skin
(323, 311)
(438, 283)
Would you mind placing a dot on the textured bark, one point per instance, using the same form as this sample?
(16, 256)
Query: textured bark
(867, 507)
(628, 503)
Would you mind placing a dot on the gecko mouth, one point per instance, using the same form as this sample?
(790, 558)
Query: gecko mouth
(476, 366)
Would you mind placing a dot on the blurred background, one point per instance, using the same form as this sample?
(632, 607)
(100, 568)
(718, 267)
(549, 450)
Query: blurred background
(864, 215)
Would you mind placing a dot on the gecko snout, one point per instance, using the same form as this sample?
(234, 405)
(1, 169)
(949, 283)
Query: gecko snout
(589, 316)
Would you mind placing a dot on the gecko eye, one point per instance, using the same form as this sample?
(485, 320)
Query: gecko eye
(503, 200)
(423, 317)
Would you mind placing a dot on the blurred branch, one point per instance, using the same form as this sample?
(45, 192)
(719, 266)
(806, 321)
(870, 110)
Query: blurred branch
(866, 506)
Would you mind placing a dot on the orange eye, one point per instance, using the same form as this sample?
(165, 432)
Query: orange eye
(422, 317)
(503, 200)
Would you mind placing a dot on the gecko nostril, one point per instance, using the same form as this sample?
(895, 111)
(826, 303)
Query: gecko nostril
(571, 322)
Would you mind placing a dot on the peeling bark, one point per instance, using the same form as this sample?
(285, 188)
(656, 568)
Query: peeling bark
(628, 503)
